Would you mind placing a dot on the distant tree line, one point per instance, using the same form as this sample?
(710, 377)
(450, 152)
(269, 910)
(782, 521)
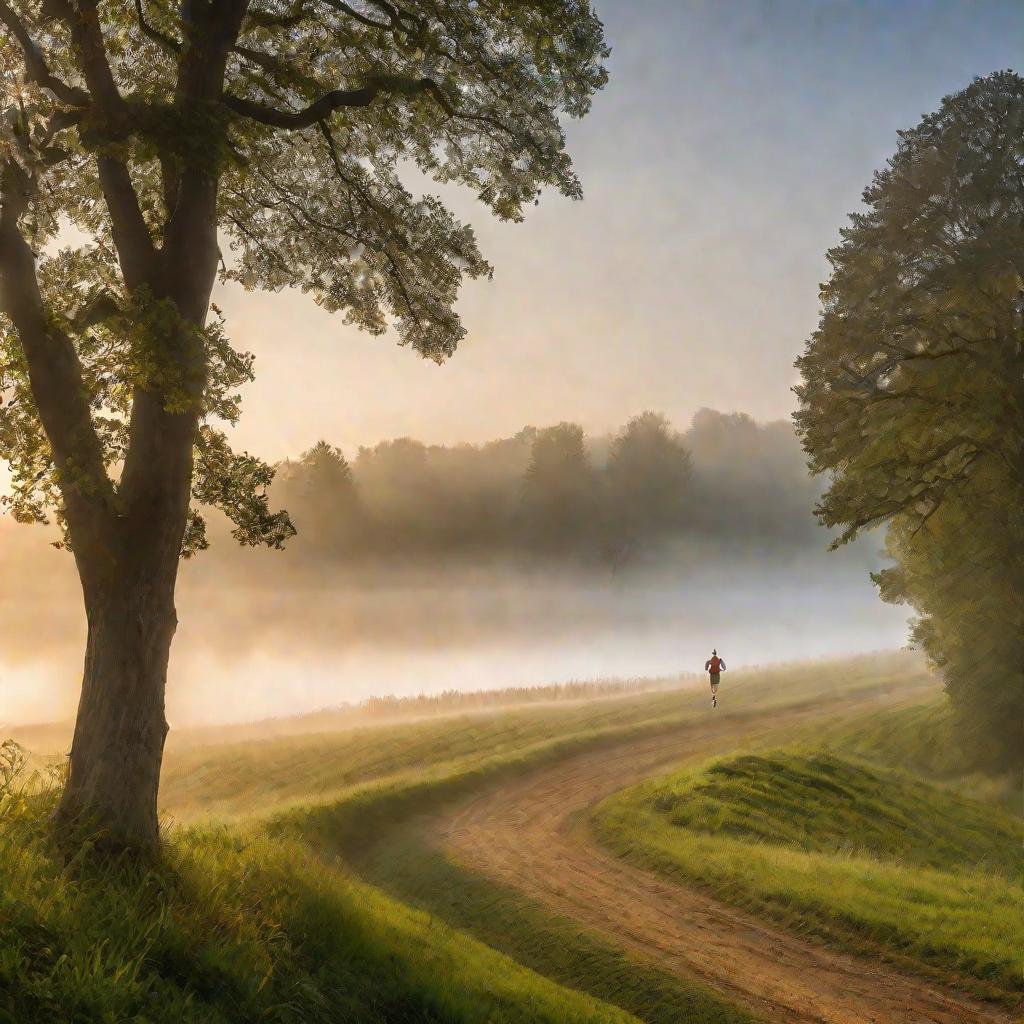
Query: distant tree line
(553, 493)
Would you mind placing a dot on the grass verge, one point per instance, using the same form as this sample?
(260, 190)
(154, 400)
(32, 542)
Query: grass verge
(862, 856)
(921, 738)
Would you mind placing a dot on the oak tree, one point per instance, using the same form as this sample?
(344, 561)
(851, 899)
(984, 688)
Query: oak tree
(149, 147)
(913, 395)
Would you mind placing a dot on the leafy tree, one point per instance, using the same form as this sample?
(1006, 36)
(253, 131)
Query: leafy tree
(913, 394)
(278, 126)
(320, 493)
(648, 482)
(559, 493)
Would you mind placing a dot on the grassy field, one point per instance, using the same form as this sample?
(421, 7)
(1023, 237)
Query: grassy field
(364, 824)
(920, 738)
(250, 915)
(256, 779)
(233, 927)
(871, 858)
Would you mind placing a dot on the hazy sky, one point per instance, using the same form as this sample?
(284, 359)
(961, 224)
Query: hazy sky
(718, 164)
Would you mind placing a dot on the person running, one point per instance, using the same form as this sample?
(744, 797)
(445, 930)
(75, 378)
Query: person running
(714, 666)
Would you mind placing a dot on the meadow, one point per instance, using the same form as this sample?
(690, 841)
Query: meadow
(230, 927)
(256, 778)
(295, 886)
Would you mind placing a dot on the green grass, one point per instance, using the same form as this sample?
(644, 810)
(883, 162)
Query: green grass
(821, 804)
(863, 856)
(229, 927)
(921, 738)
(364, 826)
(257, 919)
(535, 937)
(245, 780)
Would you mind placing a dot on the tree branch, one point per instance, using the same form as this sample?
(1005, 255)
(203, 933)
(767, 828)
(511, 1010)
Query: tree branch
(343, 8)
(395, 15)
(165, 42)
(297, 13)
(35, 63)
(83, 23)
(339, 99)
(55, 376)
(135, 248)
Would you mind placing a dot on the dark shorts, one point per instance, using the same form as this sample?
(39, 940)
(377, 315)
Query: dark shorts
(715, 677)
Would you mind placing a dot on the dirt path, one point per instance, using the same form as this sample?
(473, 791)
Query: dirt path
(527, 834)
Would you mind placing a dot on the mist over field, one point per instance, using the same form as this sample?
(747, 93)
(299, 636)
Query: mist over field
(538, 558)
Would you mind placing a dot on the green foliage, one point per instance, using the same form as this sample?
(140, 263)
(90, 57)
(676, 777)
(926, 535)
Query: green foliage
(912, 395)
(304, 139)
(237, 484)
(864, 857)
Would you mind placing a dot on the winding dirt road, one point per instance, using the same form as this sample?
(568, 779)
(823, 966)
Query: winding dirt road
(529, 834)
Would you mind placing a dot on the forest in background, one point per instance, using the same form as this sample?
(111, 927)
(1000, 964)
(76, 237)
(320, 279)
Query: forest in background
(726, 485)
(726, 490)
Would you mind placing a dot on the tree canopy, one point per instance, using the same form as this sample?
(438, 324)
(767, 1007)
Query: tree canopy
(559, 489)
(119, 117)
(913, 393)
(648, 479)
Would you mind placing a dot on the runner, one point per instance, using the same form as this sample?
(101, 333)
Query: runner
(714, 666)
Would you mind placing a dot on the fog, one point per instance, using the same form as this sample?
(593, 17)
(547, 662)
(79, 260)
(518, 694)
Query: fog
(293, 652)
(430, 568)
(249, 651)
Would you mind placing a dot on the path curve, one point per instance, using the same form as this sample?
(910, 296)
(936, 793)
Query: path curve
(529, 834)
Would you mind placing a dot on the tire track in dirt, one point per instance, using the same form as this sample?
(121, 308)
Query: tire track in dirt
(529, 834)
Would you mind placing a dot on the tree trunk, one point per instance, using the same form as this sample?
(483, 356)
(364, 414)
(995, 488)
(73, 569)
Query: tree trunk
(119, 733)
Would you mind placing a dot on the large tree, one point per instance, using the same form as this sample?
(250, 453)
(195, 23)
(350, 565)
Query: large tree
(559, 494)
(913, 395)
(138, 139)
(320, 493)
(648, 483)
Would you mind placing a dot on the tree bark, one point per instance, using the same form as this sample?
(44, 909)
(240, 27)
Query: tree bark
(114, 771)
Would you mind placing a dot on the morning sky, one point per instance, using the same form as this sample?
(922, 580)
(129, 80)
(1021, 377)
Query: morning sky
(718, 165)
